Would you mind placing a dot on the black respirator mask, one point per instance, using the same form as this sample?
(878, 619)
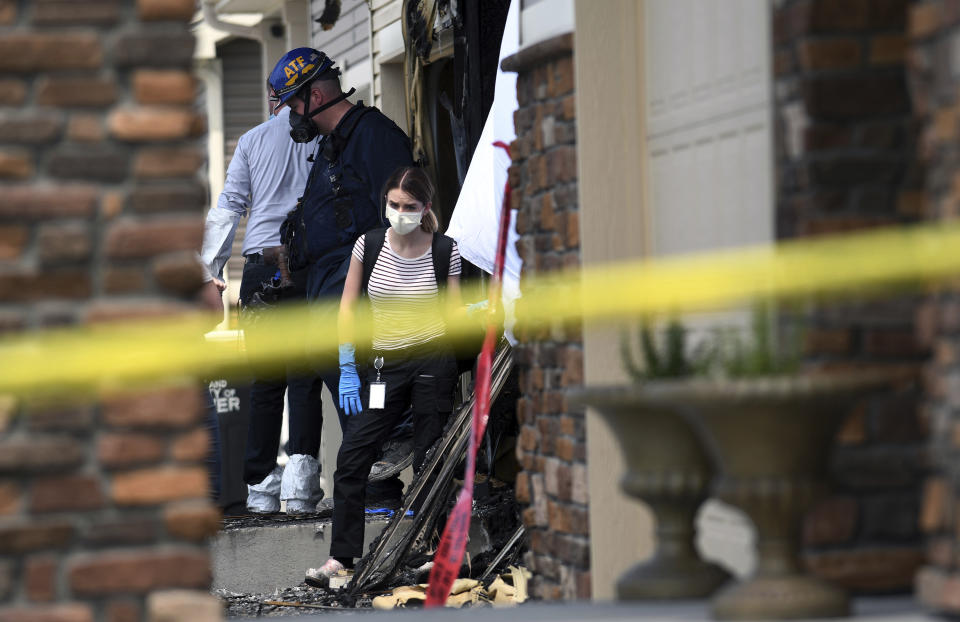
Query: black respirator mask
(302, 129)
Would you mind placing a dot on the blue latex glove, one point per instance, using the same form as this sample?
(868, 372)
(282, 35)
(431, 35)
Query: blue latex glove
(478, 311)
(477, 308)
(349, 381)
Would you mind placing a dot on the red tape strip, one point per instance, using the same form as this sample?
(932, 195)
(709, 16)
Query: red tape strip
(453, 543)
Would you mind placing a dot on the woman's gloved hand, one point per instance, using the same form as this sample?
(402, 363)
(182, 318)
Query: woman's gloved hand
(479, 311)
(476, 309)
(349, 389)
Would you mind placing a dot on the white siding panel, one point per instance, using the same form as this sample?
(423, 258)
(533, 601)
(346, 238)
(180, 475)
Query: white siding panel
(709, 135)
(348, 42)
(389, 40)
(387, 15)
(384, 26)
(243, 95)
(711, 185)
(710, 164)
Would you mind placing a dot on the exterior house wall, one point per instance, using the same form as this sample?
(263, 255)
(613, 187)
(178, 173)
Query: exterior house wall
(242, 97)
(348, 43)
(844, 149)
(845, 145)
(103, 506)
(386, 55)
(609, 58)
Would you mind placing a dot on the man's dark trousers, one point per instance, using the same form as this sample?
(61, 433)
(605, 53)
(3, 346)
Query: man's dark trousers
(266, 391)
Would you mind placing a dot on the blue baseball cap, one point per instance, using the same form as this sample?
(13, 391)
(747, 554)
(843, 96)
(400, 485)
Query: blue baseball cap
(296, 68)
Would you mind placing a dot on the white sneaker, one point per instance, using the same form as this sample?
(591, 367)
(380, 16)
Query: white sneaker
(264, 498)
(300, 485)
(331, 574)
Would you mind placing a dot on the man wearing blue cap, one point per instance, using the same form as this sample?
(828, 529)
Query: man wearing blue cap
(342, 200)
(359, 150)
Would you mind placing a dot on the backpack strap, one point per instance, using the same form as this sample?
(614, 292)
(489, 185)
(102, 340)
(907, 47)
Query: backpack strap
(372, 245)
(442, 248)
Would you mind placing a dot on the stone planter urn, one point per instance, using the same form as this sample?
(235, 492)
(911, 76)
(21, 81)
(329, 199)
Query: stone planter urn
(668, 469)
(771, 439)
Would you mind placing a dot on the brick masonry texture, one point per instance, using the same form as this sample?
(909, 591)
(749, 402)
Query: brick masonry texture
(103, 505)
(846, 159)
(552, 444)
(934, 29)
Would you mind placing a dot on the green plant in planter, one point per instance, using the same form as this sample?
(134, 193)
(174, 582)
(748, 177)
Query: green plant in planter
(666, 465)
(769, 434)
(729, 353)
(667, 360)
(760, 354)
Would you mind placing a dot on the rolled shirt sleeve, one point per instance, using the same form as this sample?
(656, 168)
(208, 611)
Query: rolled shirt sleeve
(224, 217)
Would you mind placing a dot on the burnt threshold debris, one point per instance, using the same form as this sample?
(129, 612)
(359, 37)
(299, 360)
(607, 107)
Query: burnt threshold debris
(402, 554)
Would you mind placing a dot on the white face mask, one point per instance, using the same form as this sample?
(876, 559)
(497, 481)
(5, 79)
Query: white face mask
(403, 222)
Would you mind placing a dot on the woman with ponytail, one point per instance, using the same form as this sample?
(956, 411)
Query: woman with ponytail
(411, 365)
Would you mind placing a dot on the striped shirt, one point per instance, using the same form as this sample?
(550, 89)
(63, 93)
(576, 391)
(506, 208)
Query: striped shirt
(403, 297)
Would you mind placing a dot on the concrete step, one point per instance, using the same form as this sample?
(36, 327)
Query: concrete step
(263, 554)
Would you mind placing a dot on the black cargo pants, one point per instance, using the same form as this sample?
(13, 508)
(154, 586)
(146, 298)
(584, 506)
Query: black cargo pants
(420, 377)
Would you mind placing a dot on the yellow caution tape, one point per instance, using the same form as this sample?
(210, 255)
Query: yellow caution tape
(117, 354)
(849, 265)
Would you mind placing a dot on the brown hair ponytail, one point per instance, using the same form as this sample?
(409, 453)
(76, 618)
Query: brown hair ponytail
(429, 222)
(414, 181)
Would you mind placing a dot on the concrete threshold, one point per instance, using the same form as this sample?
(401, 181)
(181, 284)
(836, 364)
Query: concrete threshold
(272, 554)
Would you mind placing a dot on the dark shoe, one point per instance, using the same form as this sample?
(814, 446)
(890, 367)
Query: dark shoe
(397, 455)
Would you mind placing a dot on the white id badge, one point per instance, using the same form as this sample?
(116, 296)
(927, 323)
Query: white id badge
(378, 394)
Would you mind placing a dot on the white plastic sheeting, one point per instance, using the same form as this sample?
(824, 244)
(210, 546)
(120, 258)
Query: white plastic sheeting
(475, 222)
(264, 498)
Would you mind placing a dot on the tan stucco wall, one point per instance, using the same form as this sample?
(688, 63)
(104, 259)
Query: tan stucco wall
(609, 84)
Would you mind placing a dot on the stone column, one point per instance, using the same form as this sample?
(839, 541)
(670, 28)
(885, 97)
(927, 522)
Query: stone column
(103, 504)
(846, 161)
(934, 70)
(551, 448)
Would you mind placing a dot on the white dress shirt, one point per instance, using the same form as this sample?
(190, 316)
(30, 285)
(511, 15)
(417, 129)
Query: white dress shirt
(267, 173)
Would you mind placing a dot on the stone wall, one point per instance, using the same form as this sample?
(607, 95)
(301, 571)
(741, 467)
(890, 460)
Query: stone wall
(845, 148)
(552, 487)
(103, 509)
(934, 70)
